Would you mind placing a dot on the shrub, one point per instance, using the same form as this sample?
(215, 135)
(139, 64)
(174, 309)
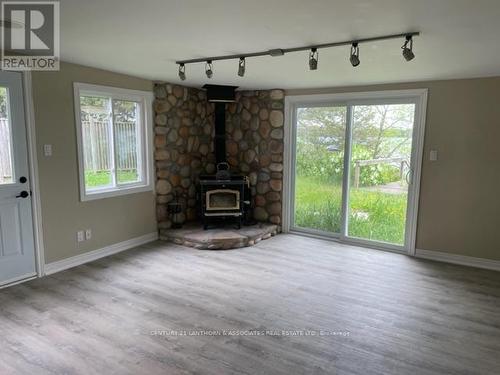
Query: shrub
(315, 160)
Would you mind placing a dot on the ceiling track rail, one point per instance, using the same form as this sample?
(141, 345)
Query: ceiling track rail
(282, 51)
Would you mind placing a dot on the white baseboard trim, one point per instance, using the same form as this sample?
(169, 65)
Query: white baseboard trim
(458, 259)
(90, 256)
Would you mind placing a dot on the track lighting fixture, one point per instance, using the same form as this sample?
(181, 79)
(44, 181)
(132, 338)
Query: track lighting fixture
(209, 69)
(313, 53)
(182, 72)
(241, 67)
(408, 48)
(313, 59)
(354, 54)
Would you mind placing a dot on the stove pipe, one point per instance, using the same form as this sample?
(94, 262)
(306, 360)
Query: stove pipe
(220, 95)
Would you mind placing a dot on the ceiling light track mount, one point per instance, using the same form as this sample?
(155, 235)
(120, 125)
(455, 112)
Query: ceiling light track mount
(313, 54)
(282, 51)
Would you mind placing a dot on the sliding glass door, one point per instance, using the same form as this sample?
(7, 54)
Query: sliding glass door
(353, 169)
(319, 168)
(380, 162)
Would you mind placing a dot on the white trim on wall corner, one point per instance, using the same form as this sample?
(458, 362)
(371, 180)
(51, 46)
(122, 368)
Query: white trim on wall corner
(463, 260)
(90, 256)
(33, 170)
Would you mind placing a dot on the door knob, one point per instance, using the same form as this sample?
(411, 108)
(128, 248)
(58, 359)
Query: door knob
(23, 194)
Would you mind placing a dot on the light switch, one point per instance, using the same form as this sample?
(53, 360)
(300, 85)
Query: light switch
(47, 150)
(80, 236)
(433, 156)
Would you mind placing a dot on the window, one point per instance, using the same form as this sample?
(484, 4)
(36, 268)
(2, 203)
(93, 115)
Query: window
(114, 133)
(6, 175)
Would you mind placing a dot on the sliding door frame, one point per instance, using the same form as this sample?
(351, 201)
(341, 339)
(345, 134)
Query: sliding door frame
(350, 99)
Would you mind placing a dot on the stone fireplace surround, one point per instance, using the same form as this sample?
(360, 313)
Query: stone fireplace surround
(184, 148)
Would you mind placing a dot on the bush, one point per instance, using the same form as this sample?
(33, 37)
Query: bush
(315, 160)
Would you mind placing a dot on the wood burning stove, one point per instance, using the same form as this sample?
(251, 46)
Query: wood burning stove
(224, 200)
(224, 196)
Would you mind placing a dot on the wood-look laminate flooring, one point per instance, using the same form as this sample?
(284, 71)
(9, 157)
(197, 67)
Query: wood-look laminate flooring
(364, 312)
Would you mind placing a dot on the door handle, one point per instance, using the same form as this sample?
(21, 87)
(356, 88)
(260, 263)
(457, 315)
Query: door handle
(409, 177)
(23, 194)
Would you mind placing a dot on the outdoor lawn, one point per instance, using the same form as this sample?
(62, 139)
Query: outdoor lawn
(103, 178)
(379, 159)
(373, 215)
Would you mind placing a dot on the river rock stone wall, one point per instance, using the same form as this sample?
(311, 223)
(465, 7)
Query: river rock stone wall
(184, 129)
(254, 127)
(184, 134)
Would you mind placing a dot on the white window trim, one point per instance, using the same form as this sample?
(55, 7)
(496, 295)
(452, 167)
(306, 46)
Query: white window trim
(145, 98)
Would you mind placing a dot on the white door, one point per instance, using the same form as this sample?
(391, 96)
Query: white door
(17, 251)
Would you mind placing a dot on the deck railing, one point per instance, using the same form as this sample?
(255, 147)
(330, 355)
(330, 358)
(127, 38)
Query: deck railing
(403, 162)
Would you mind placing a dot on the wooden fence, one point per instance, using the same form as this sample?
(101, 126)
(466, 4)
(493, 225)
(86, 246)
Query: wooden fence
(97, 150)
(5, 152)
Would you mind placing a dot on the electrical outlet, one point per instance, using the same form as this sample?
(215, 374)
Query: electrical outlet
(88, 234)
(80, 236)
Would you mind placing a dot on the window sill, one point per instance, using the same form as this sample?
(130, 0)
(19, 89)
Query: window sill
(114, 192)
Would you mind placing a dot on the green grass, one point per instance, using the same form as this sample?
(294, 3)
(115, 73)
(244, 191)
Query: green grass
(98, 179)
(373, 215)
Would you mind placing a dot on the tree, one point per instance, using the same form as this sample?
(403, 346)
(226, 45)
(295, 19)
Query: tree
(322, 126)
(384, 131)
(378, 132)
(125, 111)
(99, 109)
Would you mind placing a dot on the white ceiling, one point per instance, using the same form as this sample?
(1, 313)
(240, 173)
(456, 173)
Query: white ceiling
(143, 38)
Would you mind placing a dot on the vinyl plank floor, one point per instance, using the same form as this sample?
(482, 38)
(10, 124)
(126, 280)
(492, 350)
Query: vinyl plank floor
(290, 305)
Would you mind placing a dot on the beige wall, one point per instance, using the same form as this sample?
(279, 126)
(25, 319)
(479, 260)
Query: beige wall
(460, 194)
(112, 220)
(459, 202)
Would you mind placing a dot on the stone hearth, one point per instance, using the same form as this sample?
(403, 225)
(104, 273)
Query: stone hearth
(219, 239)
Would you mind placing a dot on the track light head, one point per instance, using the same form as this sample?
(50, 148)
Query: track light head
(241, 67)
(313, 59)
(354, 59)
(182, 72)
(408, 48)
(209, 69)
